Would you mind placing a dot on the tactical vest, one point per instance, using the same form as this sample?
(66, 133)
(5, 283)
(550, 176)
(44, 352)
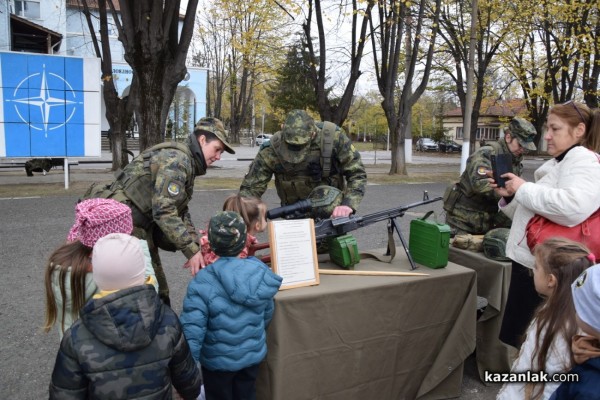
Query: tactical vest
(135, 184)
(302, 171)
(464, 193)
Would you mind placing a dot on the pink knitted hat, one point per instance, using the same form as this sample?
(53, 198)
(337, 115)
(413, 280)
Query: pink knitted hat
(118, 262)
(95, 218)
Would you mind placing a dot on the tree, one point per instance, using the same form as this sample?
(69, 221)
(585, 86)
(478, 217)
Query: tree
(330, 110)
(493, 25)
(394, 19)
(427, 115)
(293, 87)
(366, 119)
(156, 52)
(250, 36)
(569, 33)
(590, 45)
(214, 45)
(552, 53)
(118, 111)
(521, 57)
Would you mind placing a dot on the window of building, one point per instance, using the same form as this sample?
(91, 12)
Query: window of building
(487, 133)
(482, 133)
(27, 9)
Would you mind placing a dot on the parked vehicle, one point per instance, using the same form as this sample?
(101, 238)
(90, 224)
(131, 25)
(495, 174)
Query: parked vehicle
(263, 138)
(449, 146)
(427, 144)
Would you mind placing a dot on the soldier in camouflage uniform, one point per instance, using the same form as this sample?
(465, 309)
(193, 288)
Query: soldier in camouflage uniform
(126, 343)
(158, 185)
(304, 155)
(471, 205)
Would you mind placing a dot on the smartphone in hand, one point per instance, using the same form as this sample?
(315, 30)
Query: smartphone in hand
(501, 164)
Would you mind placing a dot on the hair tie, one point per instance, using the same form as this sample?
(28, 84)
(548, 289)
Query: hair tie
(592, 258)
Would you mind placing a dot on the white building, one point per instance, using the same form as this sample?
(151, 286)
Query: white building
(60, 27)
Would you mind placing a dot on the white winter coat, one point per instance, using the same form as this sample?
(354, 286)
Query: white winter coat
(566, 192)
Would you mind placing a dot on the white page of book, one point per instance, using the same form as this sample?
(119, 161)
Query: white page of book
(293, 252)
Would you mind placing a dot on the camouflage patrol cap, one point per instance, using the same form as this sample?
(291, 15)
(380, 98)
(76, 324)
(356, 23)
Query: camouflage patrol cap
(494, 244)
(215, 126)
(524, 132)
(298, 128)
(227, 234)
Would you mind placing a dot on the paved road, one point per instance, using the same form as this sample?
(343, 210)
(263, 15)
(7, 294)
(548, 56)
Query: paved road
(231, 165)
(32, 227)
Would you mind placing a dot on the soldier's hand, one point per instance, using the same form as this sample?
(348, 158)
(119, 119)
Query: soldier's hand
(500, 191)
(341, 211)
(195, 264)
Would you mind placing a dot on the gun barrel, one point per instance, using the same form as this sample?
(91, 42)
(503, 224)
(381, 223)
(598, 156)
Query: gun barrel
(300, 206)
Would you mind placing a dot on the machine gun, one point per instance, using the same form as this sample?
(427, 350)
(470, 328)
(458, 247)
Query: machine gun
(291, 211)
(333, 227)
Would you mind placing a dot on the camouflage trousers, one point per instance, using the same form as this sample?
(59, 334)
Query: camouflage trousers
(476, 222)
(163, 287)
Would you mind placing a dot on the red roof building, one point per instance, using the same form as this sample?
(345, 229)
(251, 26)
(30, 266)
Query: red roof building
(494, 116)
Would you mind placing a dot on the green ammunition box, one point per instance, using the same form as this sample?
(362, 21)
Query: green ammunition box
(343, 251)
(428, 242)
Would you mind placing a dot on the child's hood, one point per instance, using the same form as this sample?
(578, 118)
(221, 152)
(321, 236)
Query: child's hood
(126, 320)
(247, 281)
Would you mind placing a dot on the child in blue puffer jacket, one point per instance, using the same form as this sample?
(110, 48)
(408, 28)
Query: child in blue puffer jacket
(226, 310)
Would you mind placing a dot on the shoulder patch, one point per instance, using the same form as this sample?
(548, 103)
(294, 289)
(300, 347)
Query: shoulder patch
(173, 188)
(482, 171)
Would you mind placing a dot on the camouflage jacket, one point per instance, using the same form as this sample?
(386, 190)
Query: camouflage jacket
(298, 172)
(172, 184)
(125, 345)
(473, 182)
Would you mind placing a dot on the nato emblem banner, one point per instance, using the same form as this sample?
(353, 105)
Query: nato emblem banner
(49, 106)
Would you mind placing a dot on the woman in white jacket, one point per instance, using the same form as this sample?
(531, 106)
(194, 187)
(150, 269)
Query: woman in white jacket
(566, 190)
